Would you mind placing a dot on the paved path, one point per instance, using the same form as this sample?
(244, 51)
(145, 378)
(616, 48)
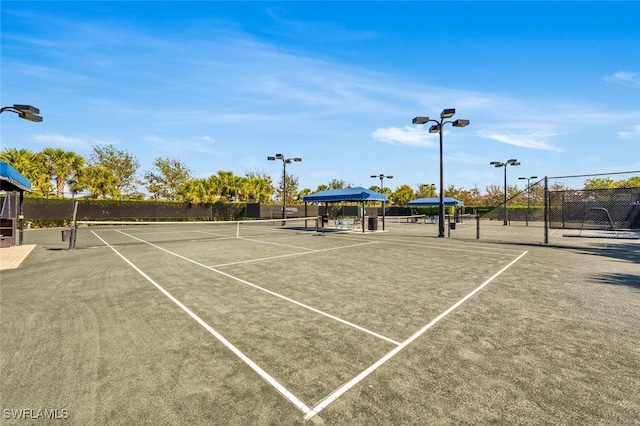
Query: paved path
(12, 257)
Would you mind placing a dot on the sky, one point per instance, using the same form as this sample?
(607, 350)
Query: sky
(223, 85)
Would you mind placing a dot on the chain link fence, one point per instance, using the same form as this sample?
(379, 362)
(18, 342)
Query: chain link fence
(589, 211)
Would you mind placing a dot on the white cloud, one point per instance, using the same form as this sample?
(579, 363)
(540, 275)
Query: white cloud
(632, 133)
(532, 140)
(631, 79)
(408, 135)
(73, 143)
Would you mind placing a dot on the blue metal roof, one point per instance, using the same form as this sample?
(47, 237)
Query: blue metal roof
(344, 194)
(11, 180)
(421, 202)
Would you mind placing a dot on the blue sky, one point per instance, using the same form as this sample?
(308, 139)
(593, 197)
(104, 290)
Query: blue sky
(223, 85)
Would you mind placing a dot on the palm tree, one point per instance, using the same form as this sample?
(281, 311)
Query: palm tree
(62, 166)
(31, 165)
(99, 181)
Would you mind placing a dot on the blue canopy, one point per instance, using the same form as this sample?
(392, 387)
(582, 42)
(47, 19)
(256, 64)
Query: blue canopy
(344, 194)
(422, 202)
(11, 180)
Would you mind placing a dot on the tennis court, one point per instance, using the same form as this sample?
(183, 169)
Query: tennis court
(287, 325)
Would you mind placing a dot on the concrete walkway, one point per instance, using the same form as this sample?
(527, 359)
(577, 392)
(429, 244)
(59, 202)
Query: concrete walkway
(12, 257)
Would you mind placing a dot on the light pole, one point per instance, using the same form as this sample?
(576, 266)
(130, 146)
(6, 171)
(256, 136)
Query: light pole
(285, 161)
(528, 179)
(26, 112)
(512, 162)
(437, 128)
(382, 176)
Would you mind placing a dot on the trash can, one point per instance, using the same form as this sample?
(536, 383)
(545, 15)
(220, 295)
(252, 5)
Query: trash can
(66, 233)
(373, 224)
(452, 225)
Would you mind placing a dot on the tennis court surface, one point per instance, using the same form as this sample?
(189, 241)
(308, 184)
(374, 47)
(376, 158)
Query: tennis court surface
(286, 325)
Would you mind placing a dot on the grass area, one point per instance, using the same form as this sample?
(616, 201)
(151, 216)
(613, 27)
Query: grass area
(545, 335)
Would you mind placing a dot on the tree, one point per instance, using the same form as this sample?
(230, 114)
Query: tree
(402, 195)
(258, 187)
(98, 180)
(62, 166)
(426, 191)
(292, 188)
(122, 164)
(31, 165)
(167, 178)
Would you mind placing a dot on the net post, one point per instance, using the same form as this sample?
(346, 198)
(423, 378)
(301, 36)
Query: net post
(73, 227)
(477, 226)
(237, 229)
(546, 210)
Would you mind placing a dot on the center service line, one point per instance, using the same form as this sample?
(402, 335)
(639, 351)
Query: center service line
(335, 395)
(273, 293)
(266, 376)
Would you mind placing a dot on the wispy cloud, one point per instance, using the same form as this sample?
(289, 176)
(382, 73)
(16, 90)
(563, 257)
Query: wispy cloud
(408, 135)
(632, 133)
(531, 140)
(631, 79)
(72, 143)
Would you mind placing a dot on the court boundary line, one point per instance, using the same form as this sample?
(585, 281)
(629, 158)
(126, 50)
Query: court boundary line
(272, 293)
(312, 251)
(255, 367)
(357, 379)
(309, 413)
(486, 250)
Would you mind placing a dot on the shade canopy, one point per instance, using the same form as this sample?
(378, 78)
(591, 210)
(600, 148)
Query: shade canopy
(12, 180)
(423, 202)
(344, 194)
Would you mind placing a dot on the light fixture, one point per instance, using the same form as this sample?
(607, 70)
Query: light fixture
(437, 128)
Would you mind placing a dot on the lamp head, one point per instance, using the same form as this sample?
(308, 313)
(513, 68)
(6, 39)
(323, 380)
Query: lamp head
(448, 113)
(512, 162)
(30, 117)
(420, 120)
(461, 122)
(271, 158)
(27, 109)
(279, 156)
(434, 129)
(297, 159)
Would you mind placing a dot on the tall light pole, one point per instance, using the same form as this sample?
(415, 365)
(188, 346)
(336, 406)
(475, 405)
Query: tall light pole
(382, 177)
(528, 197)
(512, 162)
(285, 161)
(437, 128)
(26, 112)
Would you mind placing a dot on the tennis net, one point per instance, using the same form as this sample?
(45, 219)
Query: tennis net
(88, 234)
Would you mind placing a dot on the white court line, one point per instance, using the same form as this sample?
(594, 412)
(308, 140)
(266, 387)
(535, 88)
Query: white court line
(266, 376)
(481, 249)
(336, 394)
(294, 254)
(273, 293)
